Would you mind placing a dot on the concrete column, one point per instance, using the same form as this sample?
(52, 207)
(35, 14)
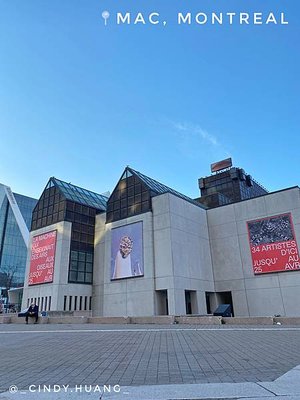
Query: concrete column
(201, 302)
(176, 302)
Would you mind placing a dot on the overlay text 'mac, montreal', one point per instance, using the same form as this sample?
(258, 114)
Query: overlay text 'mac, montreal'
(202, 18)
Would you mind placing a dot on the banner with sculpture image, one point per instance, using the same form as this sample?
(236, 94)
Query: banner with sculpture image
(273, 244)
(127, 251)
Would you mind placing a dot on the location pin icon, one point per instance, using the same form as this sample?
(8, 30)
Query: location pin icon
(105, 15)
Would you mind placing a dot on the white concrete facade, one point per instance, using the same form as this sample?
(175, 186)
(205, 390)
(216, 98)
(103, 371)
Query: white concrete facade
(51, 296)
(253, 295)
(182, 255)
(187, 250)
(176, 258)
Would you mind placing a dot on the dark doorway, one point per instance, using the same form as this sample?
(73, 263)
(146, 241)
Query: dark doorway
(188, 302)
(226, 298)
(214, 299)
(207, 299)
(162, 302)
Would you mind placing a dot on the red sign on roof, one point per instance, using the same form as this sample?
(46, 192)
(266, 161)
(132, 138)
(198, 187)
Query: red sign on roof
(218, 166)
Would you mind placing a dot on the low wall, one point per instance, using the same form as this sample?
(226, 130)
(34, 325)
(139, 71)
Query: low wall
(157, 320)
(248, 320)
(82, 313)
(109, 320)
(60, 313)
(209, 320)
(14, 319)
(287, 320)
(67, 320)
(4, 319)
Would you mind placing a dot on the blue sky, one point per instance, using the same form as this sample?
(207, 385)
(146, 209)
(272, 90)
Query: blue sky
(80, 101)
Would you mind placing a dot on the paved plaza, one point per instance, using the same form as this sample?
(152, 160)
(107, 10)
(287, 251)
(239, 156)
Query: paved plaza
(137, 355)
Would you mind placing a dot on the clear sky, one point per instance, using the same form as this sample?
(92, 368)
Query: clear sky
(80, 100)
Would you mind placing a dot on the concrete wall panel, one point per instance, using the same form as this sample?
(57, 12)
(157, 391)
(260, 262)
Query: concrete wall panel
(265, 302)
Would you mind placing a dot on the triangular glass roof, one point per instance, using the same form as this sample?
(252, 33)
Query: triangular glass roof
(79, 195)
(159, 188)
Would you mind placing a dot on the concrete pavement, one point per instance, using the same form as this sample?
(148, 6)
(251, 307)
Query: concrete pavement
(149, 362)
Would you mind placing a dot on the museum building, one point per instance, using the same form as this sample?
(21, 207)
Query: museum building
(149, 250)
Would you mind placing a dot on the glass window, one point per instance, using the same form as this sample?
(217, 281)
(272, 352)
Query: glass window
(138, 188)
(74, 265)
(92, 212)
(91, 221)
(89, 257)
(77, 217)
(83, 237)
(145, 196)
(70, 216)
(116, 205)
(75, 235)
(78, 208)
(123, 213)
(70, 206)
(85, 210)
(46, 202)
(132, 191)
(145, 206)
(81, 256)
(89, 267)
(73, 276)
(81, 266)
(80, 277)
(90, 239)
(116, 215)
(137, 198)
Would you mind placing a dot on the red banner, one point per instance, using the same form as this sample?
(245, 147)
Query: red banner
(42, 258)
(273, 245)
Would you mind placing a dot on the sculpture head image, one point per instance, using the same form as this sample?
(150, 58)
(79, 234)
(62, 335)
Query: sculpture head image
(126, 244)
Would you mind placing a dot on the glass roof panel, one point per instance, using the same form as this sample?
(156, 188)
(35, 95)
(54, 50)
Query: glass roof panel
(160, 188)
(49, 184)
(80, 195)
